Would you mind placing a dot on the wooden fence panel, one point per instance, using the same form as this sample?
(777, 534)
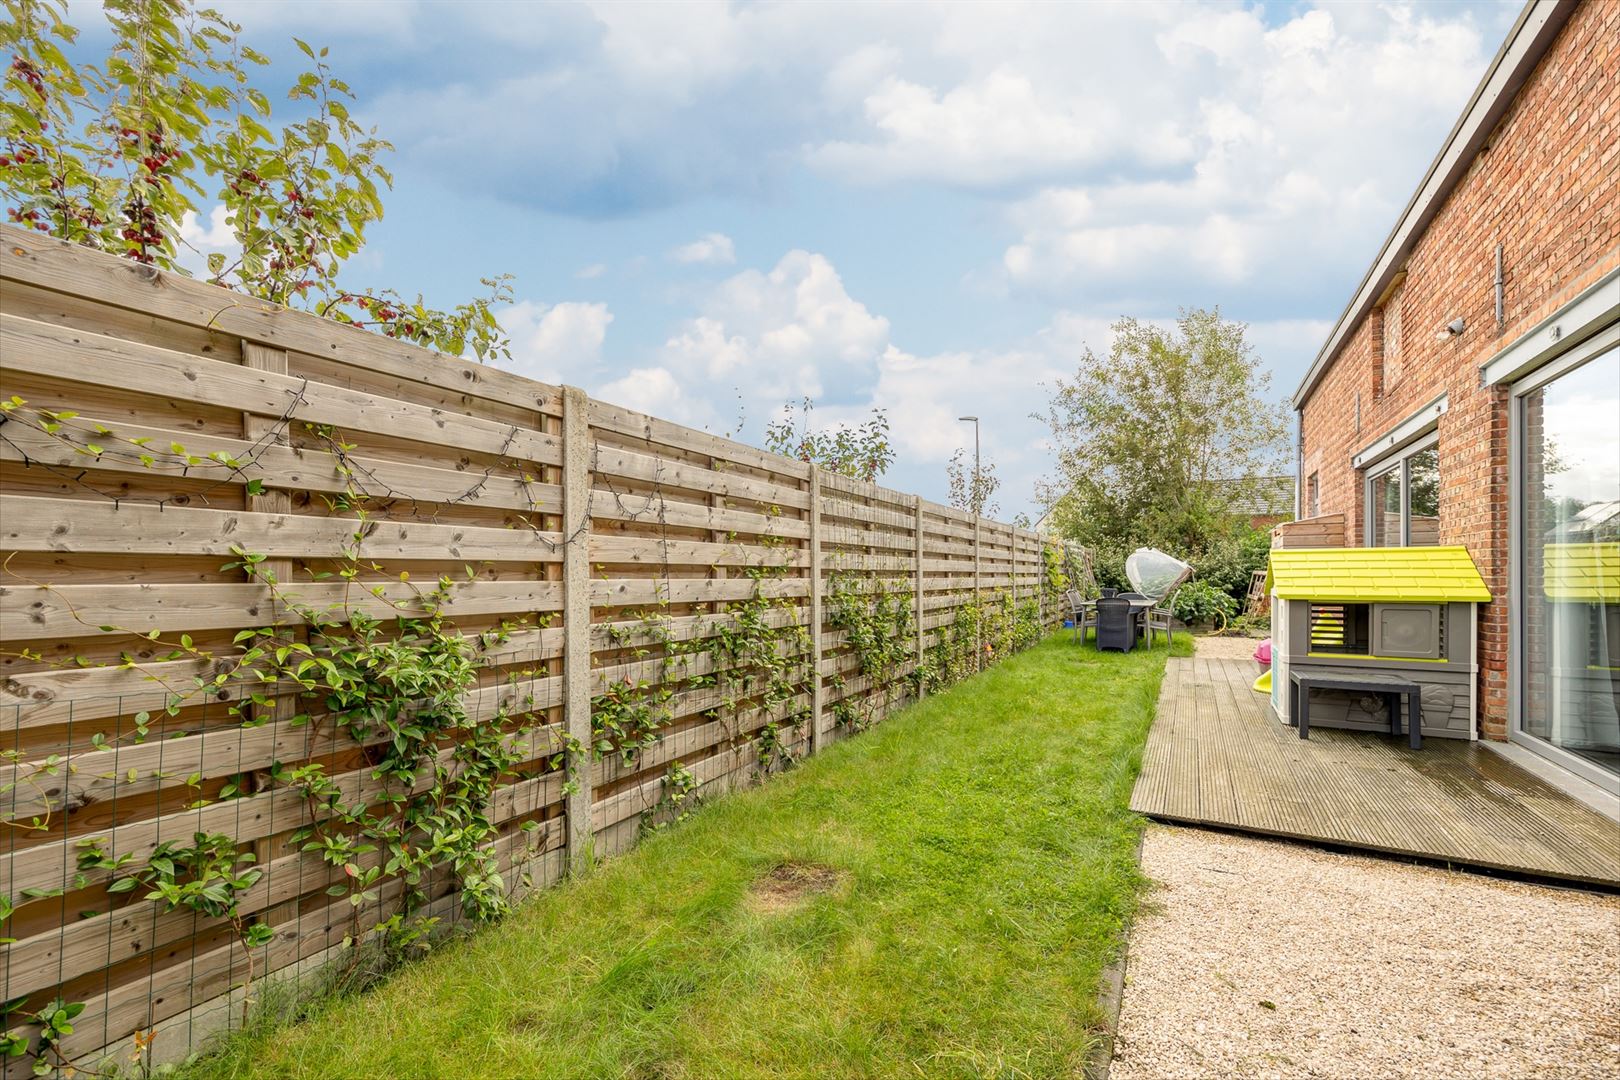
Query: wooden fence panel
(600, 563)
(1325, 531)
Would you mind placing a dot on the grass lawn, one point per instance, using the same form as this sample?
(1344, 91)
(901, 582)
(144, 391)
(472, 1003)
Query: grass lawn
(986, 870)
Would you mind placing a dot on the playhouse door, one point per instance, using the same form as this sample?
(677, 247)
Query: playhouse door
(1279, 657)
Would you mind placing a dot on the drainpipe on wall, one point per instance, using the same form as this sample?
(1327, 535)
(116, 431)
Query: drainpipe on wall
(1500, 290)
(1299, 464)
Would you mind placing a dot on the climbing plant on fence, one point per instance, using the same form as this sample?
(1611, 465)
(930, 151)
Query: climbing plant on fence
(295, 640)
(879, 624)
(291, 646)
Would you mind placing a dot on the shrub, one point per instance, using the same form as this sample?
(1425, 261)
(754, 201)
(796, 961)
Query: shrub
(1108, 564)
(1250, 625)
(1229, 563)
(1198, 601)
(1225, 565)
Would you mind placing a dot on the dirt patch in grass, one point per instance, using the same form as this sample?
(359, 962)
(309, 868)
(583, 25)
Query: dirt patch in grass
(787, 886)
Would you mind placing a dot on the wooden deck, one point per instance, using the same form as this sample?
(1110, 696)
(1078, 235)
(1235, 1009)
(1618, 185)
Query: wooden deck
(1215, 757)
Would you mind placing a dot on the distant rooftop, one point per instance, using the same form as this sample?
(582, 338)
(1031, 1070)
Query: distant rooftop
(1244, 496)
(1258, 496)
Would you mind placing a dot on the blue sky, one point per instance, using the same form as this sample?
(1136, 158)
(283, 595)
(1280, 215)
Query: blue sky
(928, 208)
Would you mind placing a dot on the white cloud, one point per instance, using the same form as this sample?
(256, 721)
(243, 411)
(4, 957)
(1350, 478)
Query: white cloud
(713, 249)
(771, 337)
(1282, 185)
(779, 335)
(559, 343)
(1139, 156)
(764, 338)
(1215, 144)
(656, 391)
(997, 129)
(198, 241)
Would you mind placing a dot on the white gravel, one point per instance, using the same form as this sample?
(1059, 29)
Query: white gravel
(1228, 647)
(1375, 968)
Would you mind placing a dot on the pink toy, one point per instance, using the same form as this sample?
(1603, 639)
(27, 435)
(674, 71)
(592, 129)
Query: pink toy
(1262, 653)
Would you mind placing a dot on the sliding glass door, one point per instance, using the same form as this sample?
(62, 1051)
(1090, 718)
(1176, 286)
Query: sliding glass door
(1569, 559)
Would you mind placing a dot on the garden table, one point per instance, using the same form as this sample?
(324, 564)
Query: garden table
(1139, 609)
(1137, 606)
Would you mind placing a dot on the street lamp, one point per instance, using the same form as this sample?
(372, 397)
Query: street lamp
(974, 493)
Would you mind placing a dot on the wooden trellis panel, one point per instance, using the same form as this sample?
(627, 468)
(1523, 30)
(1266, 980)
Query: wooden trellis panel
(589, 547)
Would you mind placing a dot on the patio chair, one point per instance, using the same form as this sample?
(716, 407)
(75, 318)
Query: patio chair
(1160, 617)
(1149, 619)
(1116, 629)
(1082, 614)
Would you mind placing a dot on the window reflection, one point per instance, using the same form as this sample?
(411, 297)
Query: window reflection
(1570, 522)
(1423, 497)
(1386, 509)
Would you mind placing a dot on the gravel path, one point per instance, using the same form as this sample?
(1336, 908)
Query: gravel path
(1228, 647)
(1259, 958)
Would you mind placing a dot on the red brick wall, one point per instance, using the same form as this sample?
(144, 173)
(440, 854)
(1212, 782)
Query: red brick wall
(1547, 188)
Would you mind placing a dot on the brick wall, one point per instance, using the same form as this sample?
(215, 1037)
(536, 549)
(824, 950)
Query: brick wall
(1547, 188)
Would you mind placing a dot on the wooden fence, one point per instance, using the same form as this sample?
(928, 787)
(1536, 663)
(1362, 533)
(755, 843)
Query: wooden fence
(158, 428)
(1317, 532)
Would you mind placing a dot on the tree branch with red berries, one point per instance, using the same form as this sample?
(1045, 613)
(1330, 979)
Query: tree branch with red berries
(114, 155)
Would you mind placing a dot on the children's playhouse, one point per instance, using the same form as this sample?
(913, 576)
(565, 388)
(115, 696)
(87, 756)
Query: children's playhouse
(1396, 613)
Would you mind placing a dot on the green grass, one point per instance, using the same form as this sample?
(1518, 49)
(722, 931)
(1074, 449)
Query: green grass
(990, 864)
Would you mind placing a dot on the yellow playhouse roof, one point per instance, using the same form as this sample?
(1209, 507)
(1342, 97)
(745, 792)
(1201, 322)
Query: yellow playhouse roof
(1415, 575)
(1589, 572)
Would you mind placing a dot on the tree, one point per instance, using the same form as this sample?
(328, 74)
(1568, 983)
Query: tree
(861, 452)
(114, 155)
(971, 490)
(1142, 434)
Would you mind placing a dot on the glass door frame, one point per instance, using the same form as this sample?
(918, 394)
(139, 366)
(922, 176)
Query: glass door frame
(1588, 350)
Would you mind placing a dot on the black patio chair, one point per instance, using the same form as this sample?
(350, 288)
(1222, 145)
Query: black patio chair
(1138, 612)
(1116, 629)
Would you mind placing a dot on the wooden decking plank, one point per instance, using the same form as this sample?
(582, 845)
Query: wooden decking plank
(1280, 800)
(1214, 756)
(1218, 796)
(1285, 801)
(1149, 794)
(1185, 795)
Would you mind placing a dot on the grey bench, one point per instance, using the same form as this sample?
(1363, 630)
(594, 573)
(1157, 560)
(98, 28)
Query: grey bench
(1389, 687)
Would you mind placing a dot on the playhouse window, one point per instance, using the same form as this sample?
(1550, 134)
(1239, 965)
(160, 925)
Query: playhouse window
(1341, 628)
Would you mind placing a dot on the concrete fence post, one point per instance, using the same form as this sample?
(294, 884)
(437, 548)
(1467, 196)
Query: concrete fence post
(818, 695)
(978, 600)
(917, 572)
(577, 622)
